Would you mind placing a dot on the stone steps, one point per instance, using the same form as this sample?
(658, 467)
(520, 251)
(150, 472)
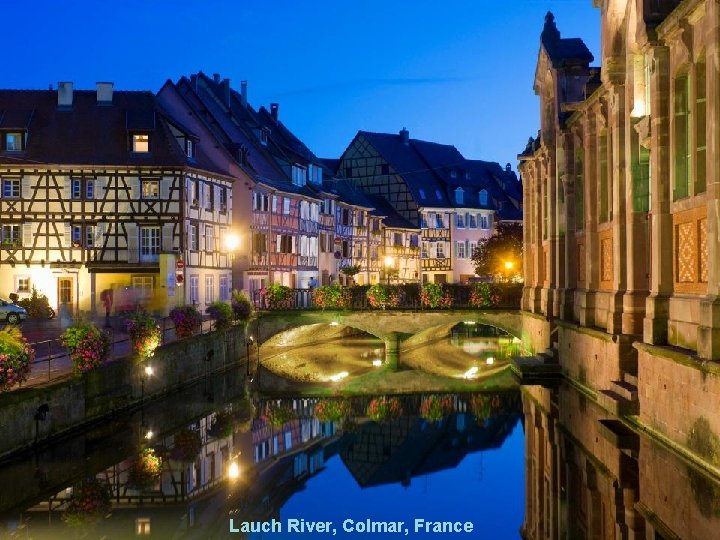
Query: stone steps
(617, 404)
(629, 378)
(625, 389)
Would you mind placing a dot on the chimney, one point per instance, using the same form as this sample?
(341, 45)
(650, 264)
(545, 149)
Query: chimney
(216, 78)
(104, 93)
(226, 92)
(243, 93)
(274, 111)
(65, 95)
(405, 136)
(508, 168)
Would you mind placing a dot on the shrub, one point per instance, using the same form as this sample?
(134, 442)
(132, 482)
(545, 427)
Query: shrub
(433, 408)
(483, 295)
(188, 444)
(382, 408)
(221, 313)
(278, 414)
(145, 470)
(89, 504)
(382, 296)
(222, 425)
(15, 358)
(278, 296)
(434, 296)
(87, 344)
(241, 305)
(332, 296)
(37, 306)
(144, 333)
(187, 320)
(332, 410)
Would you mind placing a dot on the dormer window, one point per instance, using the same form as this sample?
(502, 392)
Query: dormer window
(459, 195)
(438, 195)
(14, 141)
(453, 173)
(422, 194)
(264, 134)
(483, 197)
(141, 143)
(299, 175)
(189, 148)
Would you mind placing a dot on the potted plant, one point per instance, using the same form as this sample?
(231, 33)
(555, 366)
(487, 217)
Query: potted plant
(145, 471)
(332, 410)
(382, 408)
(144, 333)
(188, 444)
(242, 307)
(15, 358)
(187, 320)
(221, 313)
(90, 502)
(434, 408)
(87, 344)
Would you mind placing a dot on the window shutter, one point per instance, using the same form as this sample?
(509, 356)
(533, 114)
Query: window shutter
(68, 235)
(27, 238)
(278, 246)
(101, 183)
(133, 253)
(99, 235)
(167, 237)
(25, 187)
(165, 188)
(292, 244)
(66, 189)
(490, 220)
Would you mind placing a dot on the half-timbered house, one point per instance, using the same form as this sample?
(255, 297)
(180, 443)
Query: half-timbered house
(98, 190)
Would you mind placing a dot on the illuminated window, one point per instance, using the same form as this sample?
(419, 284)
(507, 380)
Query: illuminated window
(14, 141)
(143, 286)
(142, 527)
(141, 142)
(150, 189)
(22, 284)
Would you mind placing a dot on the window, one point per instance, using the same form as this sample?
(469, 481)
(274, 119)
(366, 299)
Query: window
(414, 239)
(210, 200)
(209, 238)
(149, 244)
(424, 253)
(264, 134)
(440, 250)
(14, 141)
(75, 188)
(150, 189)
(453, 173)
(89, 235)
(345, 249)
(11, 188)
(195, 188)
(472, 221)
(286, 205)
(397, 239)
(459, 196)
(439, 223)
(605, 213)
(141, 142)
(89, 189)
(422, 194)
(579, 191)
(345, 216)
(209, 289)
(11, 235)
(189, 148)
(261, 202)
(143, 286)
(327, 206)
(223, 199)
(142, 526)
(299, 175)
(483, 221)
(288, 440)
(224, 288)
(641, 181)
(22, 284)
(194, 289)
(460, 221)
(438, 194)
(483, 196)
(473, 247)
(682, 143)
(700, 125)
(460, 250)
(259, 243)
(286, 243)
(76, 235)
(193, 237)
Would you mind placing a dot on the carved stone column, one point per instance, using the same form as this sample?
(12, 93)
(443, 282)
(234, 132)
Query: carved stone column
(592, 252)
(661, 264)
(569, 281)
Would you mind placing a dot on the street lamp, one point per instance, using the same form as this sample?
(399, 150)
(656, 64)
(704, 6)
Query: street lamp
(232, 242)
(389, 264)
(508, 268)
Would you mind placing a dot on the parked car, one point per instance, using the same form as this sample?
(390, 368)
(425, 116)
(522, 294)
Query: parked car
(12, 313)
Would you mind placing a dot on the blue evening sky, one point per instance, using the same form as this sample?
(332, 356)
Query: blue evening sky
(457, 72)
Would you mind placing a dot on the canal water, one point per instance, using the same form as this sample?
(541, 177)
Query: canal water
(217, 462)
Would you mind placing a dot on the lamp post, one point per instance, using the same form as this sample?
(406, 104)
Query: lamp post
(508, 268)
(389, 264)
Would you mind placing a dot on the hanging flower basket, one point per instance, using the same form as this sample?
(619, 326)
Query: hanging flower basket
(278, 415)
(144, 333)
(87, 344)
(188, 444)
(383, 408)
(89, 504)
(332, 410)
(145, 470)
(187, 320)
(222, 425)
(15, 358)
(434, 408)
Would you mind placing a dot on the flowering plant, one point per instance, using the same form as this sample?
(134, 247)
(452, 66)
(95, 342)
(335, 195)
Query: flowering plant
(15, 357)
(222, 425)
(188, 444)
(382, 296)
(433, 408)
(87, 344)
(145, 470)
(278, 296)
(484, 295)
(332, 296)
(90, 503)
(332, 410)
(433, 296)
(277, 414)
(187, 320)
(144, 333)
(241, 305)
(384, 407)
(221, 313)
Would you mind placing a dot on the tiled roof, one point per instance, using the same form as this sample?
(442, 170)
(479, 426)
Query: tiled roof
(88, 133)
(392, 218)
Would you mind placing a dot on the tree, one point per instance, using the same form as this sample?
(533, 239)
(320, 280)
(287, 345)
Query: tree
(500, 256)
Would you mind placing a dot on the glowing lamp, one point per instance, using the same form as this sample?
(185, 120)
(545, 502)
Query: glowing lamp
(234, 471)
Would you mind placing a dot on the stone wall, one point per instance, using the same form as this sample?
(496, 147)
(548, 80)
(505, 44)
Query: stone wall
(119, 385)
(535, 332)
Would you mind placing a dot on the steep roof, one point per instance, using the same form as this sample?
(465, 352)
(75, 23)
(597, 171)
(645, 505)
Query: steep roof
(392, 218)
(89, 133)
(563, 51)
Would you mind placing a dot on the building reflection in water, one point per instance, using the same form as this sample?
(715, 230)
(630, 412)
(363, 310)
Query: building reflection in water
(590, 476)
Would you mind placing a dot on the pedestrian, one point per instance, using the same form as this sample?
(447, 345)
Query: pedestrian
(312, 283)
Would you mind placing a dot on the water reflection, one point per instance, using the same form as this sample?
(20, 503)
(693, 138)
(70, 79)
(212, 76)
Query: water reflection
(486, 343)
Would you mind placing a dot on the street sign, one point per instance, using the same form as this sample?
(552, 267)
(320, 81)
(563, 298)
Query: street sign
(179, 278)
(179, 264)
